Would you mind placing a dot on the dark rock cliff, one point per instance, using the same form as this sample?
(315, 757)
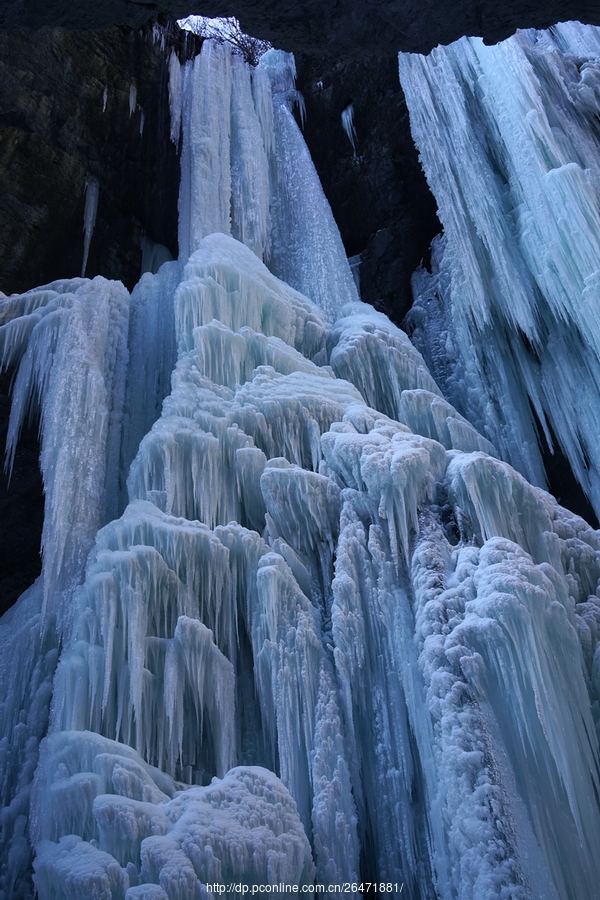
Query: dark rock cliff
(348, 29)
(65, 117)
(377, 190)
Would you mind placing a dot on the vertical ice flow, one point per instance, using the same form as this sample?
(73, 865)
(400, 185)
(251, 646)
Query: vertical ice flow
(296, 620)
(508, 141)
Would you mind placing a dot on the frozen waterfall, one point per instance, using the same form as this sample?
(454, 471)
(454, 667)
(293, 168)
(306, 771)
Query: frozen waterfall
(297, 623)
(509, 142)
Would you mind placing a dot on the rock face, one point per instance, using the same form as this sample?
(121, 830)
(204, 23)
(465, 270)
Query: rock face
(75, 106)
(377, 190)
(351, 28)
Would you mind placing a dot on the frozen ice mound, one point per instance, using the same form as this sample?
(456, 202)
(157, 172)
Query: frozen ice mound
(139, 835)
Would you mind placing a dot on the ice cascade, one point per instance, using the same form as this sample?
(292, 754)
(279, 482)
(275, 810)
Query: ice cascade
(297, 622)
(508, 320)
(246, 170)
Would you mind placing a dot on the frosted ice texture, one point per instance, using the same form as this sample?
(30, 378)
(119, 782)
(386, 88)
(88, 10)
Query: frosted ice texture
(508, 140)
(143, 837)
(329, 636)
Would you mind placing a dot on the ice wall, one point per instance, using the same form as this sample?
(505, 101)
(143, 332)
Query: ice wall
(508, 139)
(303, 624)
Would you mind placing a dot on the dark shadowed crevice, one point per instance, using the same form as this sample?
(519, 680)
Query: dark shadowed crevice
(562, 483)
(377, 190)
(21, 508)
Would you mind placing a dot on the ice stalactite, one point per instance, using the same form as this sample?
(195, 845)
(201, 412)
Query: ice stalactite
(300, 622)
(92, 191)
(507, 136)
(348, 125)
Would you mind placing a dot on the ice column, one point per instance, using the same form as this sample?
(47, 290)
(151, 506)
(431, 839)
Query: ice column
(224, 185)
(205, 189)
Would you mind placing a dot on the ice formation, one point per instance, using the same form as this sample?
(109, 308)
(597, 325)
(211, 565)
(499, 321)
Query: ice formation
(348, 125)
(296, 620)
(508, 140)
(249, 173)
(92, 190)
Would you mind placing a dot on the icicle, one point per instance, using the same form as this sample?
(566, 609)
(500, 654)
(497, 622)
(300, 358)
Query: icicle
(132, 99)
(175, 98)
(92, 190)
(104, 99)
(348, 126)
(354, 263)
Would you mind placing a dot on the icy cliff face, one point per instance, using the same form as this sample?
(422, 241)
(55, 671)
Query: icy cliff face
(509, 142)
(329, 635)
